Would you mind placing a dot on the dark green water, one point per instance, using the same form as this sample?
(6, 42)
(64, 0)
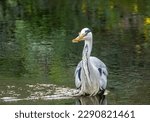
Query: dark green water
(36, 48)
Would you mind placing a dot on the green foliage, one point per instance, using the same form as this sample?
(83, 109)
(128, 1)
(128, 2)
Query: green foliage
(35, 37)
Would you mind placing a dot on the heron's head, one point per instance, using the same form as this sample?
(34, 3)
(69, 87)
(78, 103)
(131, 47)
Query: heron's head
(85, 34)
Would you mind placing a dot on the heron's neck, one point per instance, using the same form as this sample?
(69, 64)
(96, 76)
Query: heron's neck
(85, 59)
(87, 49)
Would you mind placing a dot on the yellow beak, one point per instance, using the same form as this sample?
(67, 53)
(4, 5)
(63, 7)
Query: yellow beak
(78, 39)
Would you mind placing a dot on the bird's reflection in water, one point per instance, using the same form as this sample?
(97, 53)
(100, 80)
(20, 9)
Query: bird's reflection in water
(92, 100)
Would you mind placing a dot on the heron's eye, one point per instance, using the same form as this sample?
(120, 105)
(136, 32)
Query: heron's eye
(87, 31)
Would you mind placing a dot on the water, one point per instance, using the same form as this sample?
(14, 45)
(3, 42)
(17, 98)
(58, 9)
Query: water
(38, 59)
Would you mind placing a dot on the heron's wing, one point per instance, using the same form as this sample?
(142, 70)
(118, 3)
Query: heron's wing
(102, 69)
(78, 75)
(99, 64)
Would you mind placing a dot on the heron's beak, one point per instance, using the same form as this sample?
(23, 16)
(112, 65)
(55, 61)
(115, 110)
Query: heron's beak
(78, 39)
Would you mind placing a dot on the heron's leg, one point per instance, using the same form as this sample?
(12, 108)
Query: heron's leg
(101, 92)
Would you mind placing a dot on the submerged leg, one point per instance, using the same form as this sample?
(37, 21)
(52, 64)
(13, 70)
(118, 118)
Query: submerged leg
(101, 92)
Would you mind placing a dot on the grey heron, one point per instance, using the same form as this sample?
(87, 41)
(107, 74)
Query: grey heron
(91, 73)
